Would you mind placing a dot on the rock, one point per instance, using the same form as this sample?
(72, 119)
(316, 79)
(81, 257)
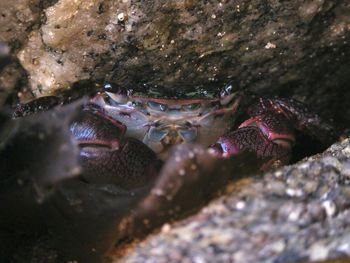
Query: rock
(299, 49)
(17, 19)
(271, 226)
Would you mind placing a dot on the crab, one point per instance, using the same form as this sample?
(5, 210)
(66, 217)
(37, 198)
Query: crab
(121, 163)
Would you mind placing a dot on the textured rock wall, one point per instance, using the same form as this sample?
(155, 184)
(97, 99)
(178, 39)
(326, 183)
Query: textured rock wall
(291, 48)
(16, 19)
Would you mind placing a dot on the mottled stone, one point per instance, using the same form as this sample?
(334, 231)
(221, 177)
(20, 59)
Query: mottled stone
(17, 19)
(268, 226)
(297, 48)
(47, 69)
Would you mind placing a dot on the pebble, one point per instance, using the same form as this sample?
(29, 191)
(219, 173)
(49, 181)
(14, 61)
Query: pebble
(294, 192)
(329, 207)
(276, 187)
(277, 246)
(240, 205)
(270, 45)
(346, 151)
(346, 169)
(166, 228)
(318, 252)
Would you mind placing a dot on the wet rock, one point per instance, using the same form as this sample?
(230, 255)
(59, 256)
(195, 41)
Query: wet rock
(270, 225)
(298, 48)
(17, 19)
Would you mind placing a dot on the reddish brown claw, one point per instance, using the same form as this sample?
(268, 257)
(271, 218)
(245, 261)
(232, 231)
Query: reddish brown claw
(253, 140)
(299, 117)
(107, 157)
(269, 131)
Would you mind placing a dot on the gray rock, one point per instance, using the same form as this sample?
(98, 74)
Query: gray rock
(298, 212)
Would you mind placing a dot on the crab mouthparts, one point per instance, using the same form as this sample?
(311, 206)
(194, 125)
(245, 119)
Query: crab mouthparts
(168, 135)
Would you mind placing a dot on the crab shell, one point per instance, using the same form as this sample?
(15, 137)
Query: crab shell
(161, 123)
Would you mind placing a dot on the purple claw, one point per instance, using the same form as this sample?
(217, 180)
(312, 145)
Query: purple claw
(269, 131)
(252, 139)
(107, 157)
(298, 115)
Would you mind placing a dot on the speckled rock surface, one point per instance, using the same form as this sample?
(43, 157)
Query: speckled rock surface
(17, 18)
(298, 213)
(291, 48)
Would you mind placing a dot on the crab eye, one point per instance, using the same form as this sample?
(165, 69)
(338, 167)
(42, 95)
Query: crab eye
(114, 98)
(227, 90)
(227, 95)
(157, 106)
(108, 87)
(191, 107)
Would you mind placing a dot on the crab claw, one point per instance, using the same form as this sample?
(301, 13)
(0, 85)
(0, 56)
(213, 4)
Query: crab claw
(299, 117)
(269, 136)
(109, 158)
(270, 131)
